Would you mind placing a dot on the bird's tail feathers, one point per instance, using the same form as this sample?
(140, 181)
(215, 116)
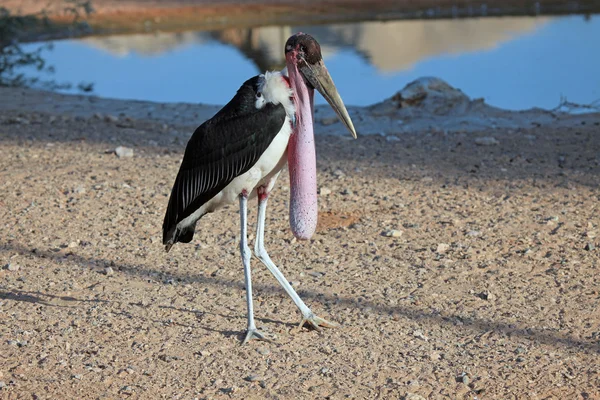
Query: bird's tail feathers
(176, 234)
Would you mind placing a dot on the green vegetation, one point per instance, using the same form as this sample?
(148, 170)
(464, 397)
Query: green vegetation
(16, 59)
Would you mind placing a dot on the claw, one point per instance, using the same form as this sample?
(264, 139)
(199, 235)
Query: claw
(315, 322)
(255, 334)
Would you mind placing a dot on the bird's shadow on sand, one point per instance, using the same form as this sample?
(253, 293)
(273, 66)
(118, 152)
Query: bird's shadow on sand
(479, 326)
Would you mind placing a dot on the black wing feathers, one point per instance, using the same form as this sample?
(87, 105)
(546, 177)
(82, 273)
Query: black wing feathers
(220, 149)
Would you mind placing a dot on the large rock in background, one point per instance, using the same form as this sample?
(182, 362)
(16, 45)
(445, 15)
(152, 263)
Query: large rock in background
(427, 95)
(431, 104)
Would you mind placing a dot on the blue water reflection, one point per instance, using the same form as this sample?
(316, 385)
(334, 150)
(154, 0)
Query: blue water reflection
(514, 63)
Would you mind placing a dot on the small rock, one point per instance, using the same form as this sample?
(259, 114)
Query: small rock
(393, 233)
(324, 370)
(110, 118)
(473, 233)
(295, 283)
(73, 244)
(347, 192)
(442, 248)
(77, 376)
(392, 138)
(124, 152)
(127, 390)
(412, 396)
(486, 295)
(324, 191)
(228, 390)
(13, 267)
(486, 141)
(108, 271)
(18, 120)
(590, 246)
(253, 378)
(315, 274)
(79, 189)
(329, 121)
(419, 334)
(263, 351)
(339, 173)
(2, 385)
(12, 343)
(205, 353)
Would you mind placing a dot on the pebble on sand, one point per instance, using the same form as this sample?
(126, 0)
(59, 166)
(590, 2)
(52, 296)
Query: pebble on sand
(486, 141)
(108, 271)
(124, 152)
(324, 191)
(590, 246)
(253, 378)
(12, 267)
(393, 233)
(442, 248)
(111, 118)
(329, 120)
(413, 396)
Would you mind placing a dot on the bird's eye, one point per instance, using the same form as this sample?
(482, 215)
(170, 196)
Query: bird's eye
(303, 48)
(259, 95)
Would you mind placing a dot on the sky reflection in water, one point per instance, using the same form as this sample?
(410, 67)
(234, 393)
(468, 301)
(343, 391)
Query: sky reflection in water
(513, 63)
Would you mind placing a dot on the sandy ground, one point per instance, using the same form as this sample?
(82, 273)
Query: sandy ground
(490, 289)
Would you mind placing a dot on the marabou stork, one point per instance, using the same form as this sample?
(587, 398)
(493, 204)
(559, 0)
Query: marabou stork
(239, 152)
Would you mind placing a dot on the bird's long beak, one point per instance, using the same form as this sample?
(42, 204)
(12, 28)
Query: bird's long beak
(319, 78)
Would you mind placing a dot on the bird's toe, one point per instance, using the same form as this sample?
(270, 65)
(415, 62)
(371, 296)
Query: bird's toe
(255, 334)
(315, 322)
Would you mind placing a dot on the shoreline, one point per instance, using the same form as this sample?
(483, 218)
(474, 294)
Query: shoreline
(436, 107)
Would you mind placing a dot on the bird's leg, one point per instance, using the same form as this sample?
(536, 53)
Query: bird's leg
(252, 332)
(308, 317)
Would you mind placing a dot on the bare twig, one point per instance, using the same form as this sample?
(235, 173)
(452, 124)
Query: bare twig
(569, 106)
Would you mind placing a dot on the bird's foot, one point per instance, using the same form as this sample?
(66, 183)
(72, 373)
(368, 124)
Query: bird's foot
(315, 322)
(255, 334)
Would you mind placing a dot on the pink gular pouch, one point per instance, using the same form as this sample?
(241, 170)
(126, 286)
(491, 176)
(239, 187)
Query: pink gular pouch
(302, 162)
(306, 72)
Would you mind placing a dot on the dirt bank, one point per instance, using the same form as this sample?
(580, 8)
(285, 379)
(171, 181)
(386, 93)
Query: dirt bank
(127, 16)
